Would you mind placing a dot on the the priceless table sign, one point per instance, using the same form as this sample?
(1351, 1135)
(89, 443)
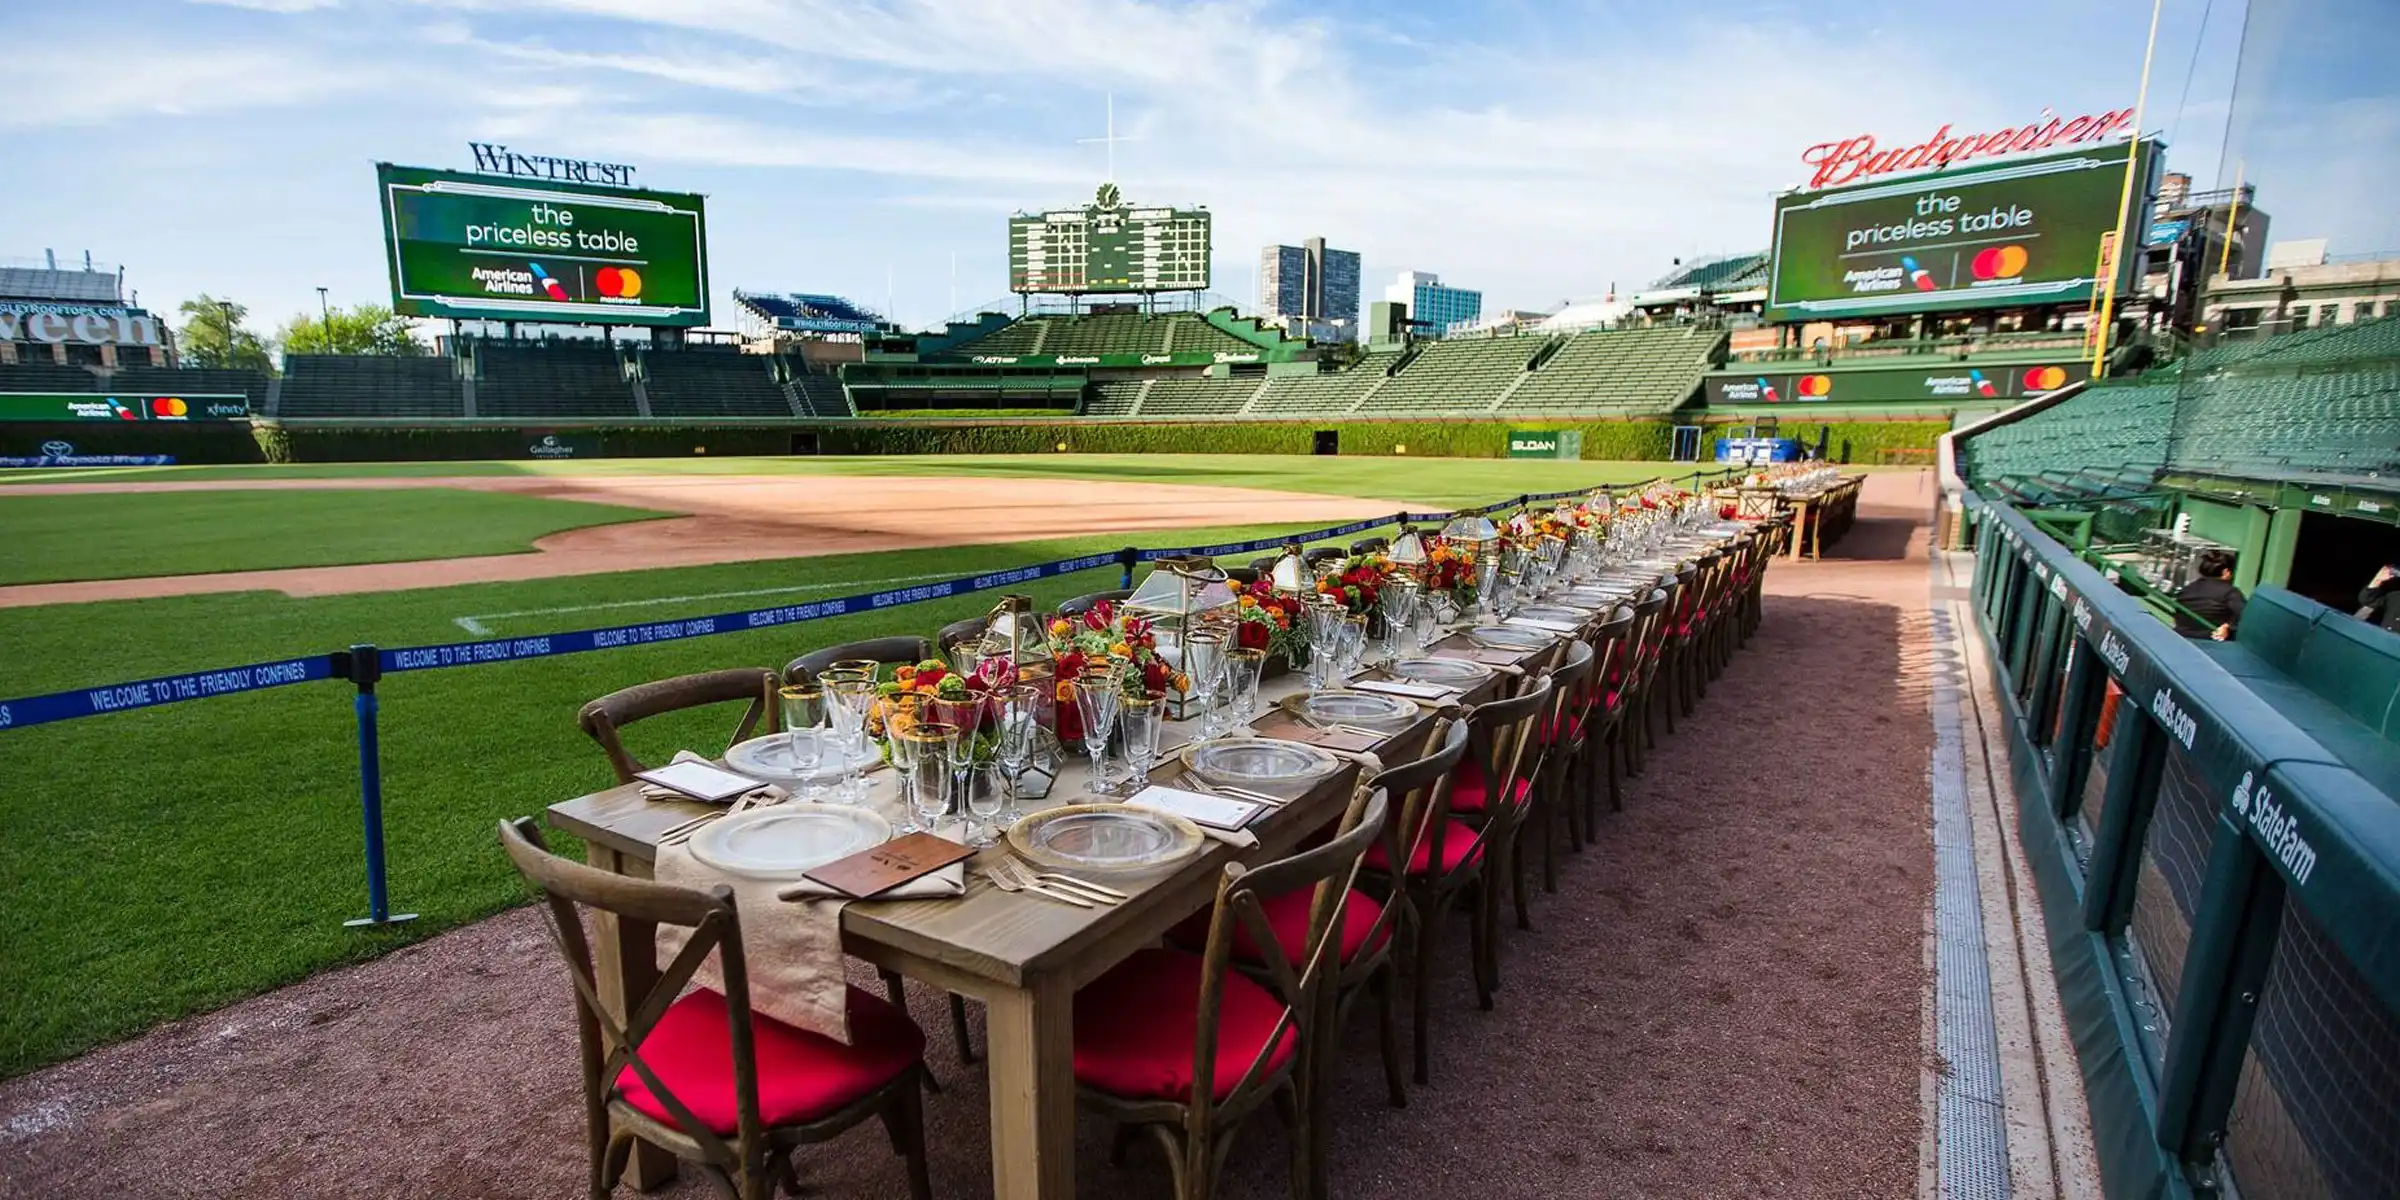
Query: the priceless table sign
(699, 780)
(1206, 811)
(1407, 689)
(1544, 626)
(881, 868)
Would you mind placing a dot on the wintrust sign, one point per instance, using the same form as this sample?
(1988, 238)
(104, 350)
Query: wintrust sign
(1854, 158)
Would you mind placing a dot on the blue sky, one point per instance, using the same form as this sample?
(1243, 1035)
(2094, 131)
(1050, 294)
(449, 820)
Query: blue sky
(1538, 151)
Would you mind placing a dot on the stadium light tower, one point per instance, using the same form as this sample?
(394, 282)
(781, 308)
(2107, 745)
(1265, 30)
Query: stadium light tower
(1111, 139)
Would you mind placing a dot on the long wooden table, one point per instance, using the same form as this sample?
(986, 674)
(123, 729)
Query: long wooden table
(1023, 957)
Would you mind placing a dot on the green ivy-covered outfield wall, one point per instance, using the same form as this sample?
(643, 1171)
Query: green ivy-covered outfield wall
(1858, 441)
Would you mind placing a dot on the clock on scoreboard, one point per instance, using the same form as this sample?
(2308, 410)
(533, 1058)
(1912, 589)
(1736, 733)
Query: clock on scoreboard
(1109, 246)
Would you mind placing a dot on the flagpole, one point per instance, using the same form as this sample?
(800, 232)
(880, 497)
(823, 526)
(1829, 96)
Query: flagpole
(2133, 154)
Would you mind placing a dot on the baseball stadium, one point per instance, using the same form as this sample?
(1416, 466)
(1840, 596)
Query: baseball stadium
(1911, 709)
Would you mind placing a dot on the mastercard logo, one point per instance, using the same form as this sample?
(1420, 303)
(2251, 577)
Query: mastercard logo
(622, 283)
(168, 406)
(1814, 387)
(1999, 262)
(2042, 379)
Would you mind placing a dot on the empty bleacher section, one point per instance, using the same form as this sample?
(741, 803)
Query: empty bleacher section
(1331, 392)
(2334, 422)
(2100, 438)
(1094, 334)
(48, 377)
(820, 394)
(1117, 398)
(807, 312)
(1617, 371)
(2326, 344)
(1455, 376)
(1200, 337)
(349, 385)
(1202, 397)
(204, 380)
(551, 381)
(712, 383)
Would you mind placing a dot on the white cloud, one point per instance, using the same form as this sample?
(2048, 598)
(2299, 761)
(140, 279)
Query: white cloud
(55, 90)
(274, 6)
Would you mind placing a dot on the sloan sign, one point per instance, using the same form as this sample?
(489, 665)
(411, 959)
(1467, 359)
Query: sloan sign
(1853, 159)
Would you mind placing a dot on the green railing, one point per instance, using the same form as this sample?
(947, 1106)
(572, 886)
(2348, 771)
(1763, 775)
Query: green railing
(2219, 891)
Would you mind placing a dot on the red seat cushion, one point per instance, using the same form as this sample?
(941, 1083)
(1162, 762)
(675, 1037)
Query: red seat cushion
(1470, 792)
(1134, 1028)
(1287, 915)
(802, 1076)
(1550, 730)
(1458, 849)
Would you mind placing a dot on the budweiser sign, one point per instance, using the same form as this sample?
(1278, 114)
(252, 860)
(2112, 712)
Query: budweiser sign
(1856, 158)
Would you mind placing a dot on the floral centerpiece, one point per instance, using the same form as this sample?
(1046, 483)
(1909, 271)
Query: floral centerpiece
(935, 680)
(1263, 620)
(1450, 571)
(1356, 583)
(1103, 637)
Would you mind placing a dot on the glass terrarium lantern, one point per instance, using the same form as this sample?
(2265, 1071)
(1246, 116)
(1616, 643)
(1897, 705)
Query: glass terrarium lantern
(1183, 596)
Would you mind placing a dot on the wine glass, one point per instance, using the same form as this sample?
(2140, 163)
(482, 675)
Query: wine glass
(1138, 717)
(1244, 665)
(1399, 603)
(985, 796)
(850, 700)
(1020, 733)
(1097, 695)
(927, 771)
(1325, 622)
(803, 714)
(1353, 649)
(964, 719)
(902, 716)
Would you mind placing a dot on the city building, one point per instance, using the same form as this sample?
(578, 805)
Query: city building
(2301, 289)
(1311, 290)
(1433, 307)
(2193, 238)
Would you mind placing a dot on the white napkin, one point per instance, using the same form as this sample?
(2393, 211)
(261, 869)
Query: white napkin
(1544, 626)
(939, 885)
(793, 952)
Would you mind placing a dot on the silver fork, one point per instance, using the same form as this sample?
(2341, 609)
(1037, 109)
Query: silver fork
(678, 833)
(1004, 875)
(1195, 783)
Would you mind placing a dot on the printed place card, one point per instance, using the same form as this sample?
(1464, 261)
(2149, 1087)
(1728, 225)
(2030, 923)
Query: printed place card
(1331, 739)
(1200, 808)
(1407, 689)
(1545, 626)
(700, 781)
(882, 868)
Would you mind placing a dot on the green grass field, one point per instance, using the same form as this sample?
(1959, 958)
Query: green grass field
(166, 861)
(128, 534)
(1425, 481)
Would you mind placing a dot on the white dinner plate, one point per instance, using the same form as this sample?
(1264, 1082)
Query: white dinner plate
(770, 758)
(787, 841)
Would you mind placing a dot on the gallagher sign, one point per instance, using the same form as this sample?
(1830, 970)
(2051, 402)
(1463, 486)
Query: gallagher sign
(1855, 158)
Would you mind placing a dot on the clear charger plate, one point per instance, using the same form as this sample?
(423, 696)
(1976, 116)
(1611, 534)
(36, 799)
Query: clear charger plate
(787, 841)
(1555, 612)
(1448, 672)
(770, 758)
(1510, 637)
(1261, 762)
(1355, 708)
(1109, 839)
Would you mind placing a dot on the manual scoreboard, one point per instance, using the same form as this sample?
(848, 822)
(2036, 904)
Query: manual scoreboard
(1109, 246)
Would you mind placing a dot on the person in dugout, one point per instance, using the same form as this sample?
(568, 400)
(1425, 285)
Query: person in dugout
(2211, 605)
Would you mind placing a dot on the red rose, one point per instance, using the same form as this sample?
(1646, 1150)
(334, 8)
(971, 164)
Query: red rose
(1252, 635)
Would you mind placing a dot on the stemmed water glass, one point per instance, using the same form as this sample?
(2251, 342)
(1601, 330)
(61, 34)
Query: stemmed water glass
(1204, 662)
(1020, 734)
(927, 771)
(849, 699)
(1326, 623)
(902, 721)
(1138, 717)
(1398, 599)
(803, 718)
(1098, 693)
(1243, 667)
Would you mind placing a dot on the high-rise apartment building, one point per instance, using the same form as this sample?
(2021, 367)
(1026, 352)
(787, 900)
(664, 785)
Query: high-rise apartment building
(1312, 290)
(1432, 306)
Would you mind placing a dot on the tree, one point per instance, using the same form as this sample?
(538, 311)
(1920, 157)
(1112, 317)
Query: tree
(366, 329)
(212, 336)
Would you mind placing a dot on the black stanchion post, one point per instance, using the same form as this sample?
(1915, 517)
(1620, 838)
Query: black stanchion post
(362, 666)
(1126, 558)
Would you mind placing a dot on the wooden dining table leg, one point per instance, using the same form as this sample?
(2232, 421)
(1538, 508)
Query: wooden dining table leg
(625, 959)
(1029, 1044)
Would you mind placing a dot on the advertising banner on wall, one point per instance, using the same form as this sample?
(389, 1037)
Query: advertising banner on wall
(84, 406)
(1949, 383)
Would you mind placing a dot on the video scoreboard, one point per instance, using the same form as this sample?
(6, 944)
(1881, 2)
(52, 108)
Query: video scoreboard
(2025, 231)
(496, 248)
(1109, 246)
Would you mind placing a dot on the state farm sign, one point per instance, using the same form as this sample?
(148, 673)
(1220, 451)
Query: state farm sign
(1855, 158)
(92, 326)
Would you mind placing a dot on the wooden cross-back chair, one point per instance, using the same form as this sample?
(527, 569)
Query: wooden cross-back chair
(1420, 900)
(703, 1077)
(1247, 1036)
(602, 718)
(1553, 797)
(1604, 717)
(887, 651)
(1494, 794)
(1079, 605)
